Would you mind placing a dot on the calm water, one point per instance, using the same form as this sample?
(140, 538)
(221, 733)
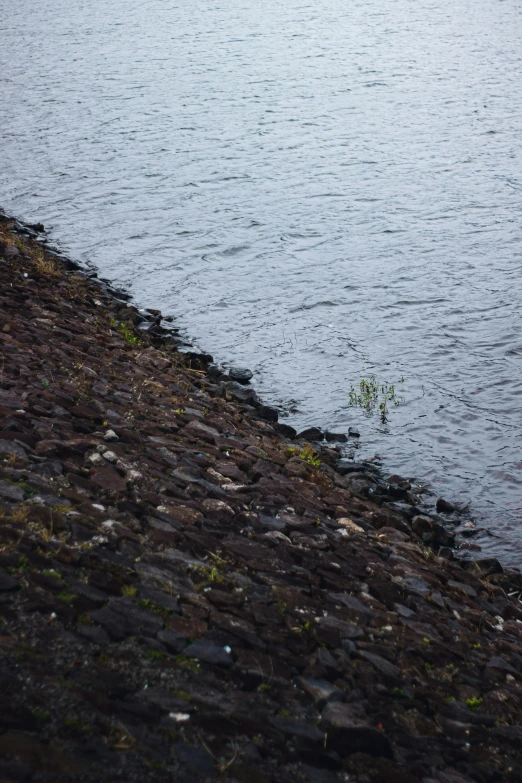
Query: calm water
(319, 191)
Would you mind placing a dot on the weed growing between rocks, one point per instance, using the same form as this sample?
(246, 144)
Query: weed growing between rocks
(307, 453)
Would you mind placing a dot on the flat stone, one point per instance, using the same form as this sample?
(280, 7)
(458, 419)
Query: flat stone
(499, 663)
(444, 505)
(287, 431)
(11, 492)
(267, 413)
(138, 620)
(381, 664)
(344, 466)
(298, 728)
(311, 433)
(13, 449)
(463, 588)
(356, 607)
(321, 691)
(240, 374)
(109, 479)
(209, 652)
(7, 583)
(197, 760)
(417, 585)
(335, 437)
(195, 429)
(94, 634)
(173, 641)
(349, 731)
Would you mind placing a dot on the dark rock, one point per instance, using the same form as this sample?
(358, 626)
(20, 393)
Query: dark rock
(353, 433)
(349, 731)
(432, 532)
(344, 466)
(11, 251)
(483, 566)
(355, 607)
(335, 437)
(173, 641)
(240, 374)
(511, 734)
(311, 433)
(444, 505)
(197, 360)
(11, 492)
(502, 665)
(287, 431)
(240, 393)
(209, 652)
(109, 479)
(13, 449)
(267, 413)
(380, 663)
(463, 588)
(138, 620)
(7, 583)
(94, 634)
(300, 729)
(197, 760)
(321, 691)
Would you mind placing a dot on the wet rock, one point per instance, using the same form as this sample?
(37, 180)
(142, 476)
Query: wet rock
(335, 437)
(432, 532)
(267, 413)
(240, 393)
(240, 374)
(287, 431)
(311, 433)
(483, 566)
(353, 433)
(345, 466)
(444, 506)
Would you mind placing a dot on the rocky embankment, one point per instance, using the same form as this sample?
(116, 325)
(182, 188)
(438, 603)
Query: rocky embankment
(188, 595)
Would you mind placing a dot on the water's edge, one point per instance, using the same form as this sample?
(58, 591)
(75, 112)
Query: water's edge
(455, 528)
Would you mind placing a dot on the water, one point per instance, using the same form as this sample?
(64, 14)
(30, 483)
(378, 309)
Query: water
(318, 191)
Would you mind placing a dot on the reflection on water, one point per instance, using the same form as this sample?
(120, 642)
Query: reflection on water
(319, 191)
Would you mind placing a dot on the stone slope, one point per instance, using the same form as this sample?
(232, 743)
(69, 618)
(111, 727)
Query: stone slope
(186, 595)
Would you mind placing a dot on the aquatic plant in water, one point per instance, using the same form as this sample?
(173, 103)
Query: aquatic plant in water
(372, 395)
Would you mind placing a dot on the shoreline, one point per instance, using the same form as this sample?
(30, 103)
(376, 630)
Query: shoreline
(449, 530)
(220, 600)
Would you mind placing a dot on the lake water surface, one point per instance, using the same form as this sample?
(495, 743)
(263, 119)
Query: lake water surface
(319, 191)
